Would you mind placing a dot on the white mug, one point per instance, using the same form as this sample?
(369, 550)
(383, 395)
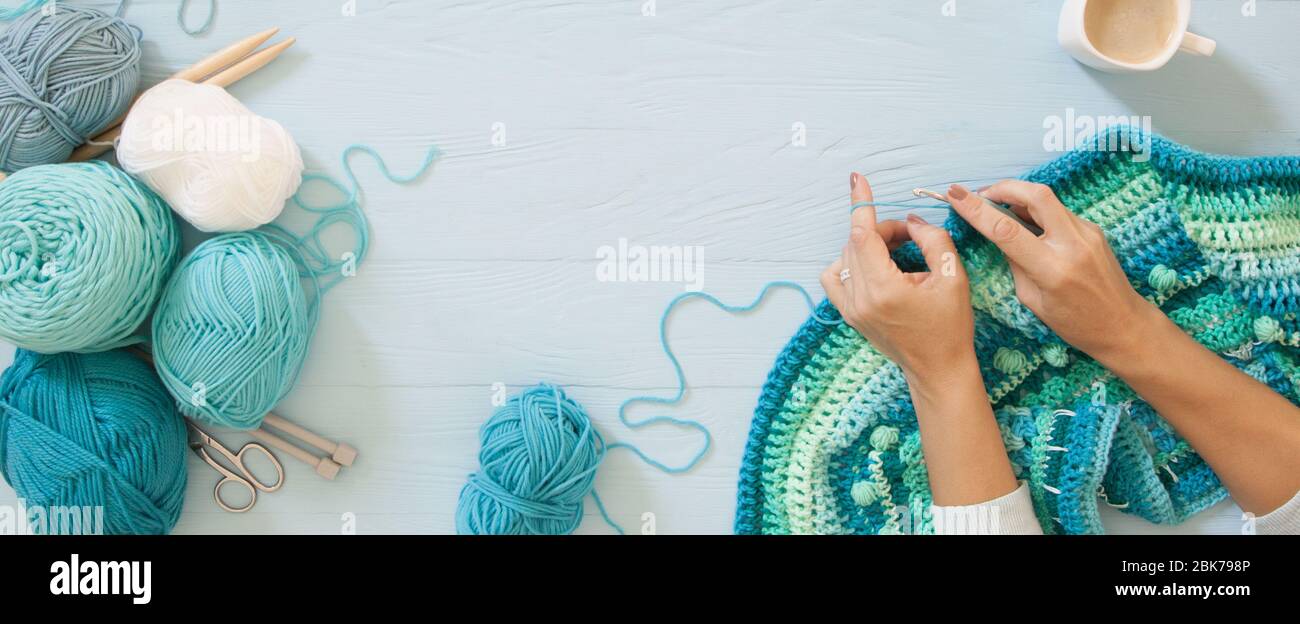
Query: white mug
(1073, 35)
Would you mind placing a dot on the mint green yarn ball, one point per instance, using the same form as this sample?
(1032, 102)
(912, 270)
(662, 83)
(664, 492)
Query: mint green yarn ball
(84, 253)
(232, 329)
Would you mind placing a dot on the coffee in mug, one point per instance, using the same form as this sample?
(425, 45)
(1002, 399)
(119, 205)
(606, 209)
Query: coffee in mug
(1132, 31)
(1129, 35)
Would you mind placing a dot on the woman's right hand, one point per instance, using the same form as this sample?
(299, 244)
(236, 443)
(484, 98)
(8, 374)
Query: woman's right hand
(1068, 276)
(1249, 434)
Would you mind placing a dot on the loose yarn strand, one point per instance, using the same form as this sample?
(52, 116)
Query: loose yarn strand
(12, 13)
(911, 203)
(681, 375)
(180, 15)
(310, 247)
(904, 206)
(207, 23)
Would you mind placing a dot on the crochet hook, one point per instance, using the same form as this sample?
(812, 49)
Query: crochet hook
(1006, 210)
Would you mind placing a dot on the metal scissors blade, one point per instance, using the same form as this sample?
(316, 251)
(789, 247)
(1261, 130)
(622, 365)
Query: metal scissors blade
(201, 442)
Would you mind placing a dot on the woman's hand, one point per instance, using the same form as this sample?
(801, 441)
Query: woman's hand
(921, 321)
(924, 323)
(1068, 277)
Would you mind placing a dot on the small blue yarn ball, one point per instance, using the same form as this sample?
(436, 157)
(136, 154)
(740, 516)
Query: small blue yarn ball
(232, 329)
(539, 456)
(84, 253)
(93, 430)
(70, 73)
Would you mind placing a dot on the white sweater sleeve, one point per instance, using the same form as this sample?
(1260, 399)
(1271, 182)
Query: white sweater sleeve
(1012, 514)
(1284, 520)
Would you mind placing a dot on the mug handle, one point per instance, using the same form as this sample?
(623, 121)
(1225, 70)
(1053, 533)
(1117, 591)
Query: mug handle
(1197, 45)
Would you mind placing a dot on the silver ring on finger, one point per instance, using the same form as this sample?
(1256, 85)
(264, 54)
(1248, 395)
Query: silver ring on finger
(845, 276)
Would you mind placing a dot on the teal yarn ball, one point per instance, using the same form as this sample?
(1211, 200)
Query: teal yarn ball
(232, 329)
(64, 76)
(96, 430)
(538, 460)
(84, 253)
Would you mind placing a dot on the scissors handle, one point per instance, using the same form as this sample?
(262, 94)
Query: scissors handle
(248, 480)
(252, 494)
(228, 477)
(252, 478)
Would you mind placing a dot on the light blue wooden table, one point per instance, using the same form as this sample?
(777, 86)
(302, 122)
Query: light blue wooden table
(568, 126)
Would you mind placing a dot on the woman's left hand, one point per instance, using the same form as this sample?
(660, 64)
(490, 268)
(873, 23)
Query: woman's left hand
(924, 323)
(921, 321)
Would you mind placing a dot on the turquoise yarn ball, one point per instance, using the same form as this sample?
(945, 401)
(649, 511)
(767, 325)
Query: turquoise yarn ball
(84, 253)
(539, 457)
(93, 430)
(64, 76)
(232, 329)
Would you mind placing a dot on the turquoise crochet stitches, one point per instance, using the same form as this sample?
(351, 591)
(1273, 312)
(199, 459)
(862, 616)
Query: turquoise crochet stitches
(1213, 240)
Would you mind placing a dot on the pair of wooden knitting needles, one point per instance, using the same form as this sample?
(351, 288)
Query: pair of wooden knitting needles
(338, 454)
(228, 66)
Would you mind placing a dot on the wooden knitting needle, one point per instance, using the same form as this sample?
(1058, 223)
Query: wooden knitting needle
(324, 466)
(212, 64)
(224, 78)
(225, 57)
(343, 454)
(243, 68)
(235, 59)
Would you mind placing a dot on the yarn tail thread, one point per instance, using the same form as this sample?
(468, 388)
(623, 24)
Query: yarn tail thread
(681, 375)
(316, 261)
(12, 13)
(201, 28)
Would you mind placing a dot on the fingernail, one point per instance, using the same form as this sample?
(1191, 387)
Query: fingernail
(853, 180)
(915, 218)
(958, 192)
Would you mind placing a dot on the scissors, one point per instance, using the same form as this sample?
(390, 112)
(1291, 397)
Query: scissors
(201, 439)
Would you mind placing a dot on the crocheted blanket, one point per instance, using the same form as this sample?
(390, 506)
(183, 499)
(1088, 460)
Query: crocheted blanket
(1213, 240)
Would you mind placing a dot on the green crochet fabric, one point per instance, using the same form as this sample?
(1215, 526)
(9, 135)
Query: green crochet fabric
(1214, 241)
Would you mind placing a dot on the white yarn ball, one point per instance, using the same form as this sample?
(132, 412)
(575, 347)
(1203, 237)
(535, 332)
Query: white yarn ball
(220, 166)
